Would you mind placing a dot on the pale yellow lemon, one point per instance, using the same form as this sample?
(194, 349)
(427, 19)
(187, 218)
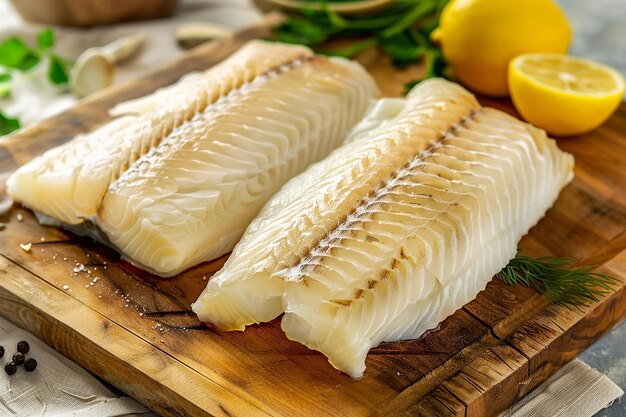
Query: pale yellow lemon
(478, 38)
(562, 94)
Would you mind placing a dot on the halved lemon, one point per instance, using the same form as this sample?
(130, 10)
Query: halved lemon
(562, 94)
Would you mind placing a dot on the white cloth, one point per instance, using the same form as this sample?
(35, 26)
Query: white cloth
(575, 390)
(57, 387)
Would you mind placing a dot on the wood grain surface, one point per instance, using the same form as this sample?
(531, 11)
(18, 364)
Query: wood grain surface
(136, 331)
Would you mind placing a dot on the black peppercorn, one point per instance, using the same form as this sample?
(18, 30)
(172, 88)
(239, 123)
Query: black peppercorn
(1, 351)
(18, 358)
(23, 347)
(10, 368)
(30, 364)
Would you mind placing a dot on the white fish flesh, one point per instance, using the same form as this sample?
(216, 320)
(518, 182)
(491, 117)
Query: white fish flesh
(395, 230)
(181, 182)
(151, 102)
(68, 182)
(191, 198)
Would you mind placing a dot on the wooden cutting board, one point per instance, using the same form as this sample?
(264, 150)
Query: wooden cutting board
(136, 331)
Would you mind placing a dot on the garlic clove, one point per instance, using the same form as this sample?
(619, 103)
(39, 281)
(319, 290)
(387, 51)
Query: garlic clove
(189, 35)
(92, 72)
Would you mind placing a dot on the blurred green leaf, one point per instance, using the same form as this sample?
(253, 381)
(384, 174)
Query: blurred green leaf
(8, 124)
(45, 39)
(29, 61)
(57, 72)
(5, 85)
(16, 55)
(12, 52)
(402, 48)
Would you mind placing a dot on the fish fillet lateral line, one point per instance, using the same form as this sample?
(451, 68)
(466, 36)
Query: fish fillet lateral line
(334, 235)
(213, 105)
(395, 230)
(346, 331)
(210, 109)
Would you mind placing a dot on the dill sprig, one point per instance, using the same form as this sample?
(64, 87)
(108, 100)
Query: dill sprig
(579, 285)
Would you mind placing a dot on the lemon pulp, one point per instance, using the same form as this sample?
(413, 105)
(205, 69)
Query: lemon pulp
(562, 94)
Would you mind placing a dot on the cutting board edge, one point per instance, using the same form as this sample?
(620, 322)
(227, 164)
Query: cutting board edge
(474, 402)
(58, 330)
(196, 60)
(484, 401)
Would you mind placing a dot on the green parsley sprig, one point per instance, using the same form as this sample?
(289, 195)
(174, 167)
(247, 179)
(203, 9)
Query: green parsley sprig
(561, 285)
(402, 30)
(16, 55)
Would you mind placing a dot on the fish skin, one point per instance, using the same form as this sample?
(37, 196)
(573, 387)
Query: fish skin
(70, 181)
(190, 199)
(395, 230)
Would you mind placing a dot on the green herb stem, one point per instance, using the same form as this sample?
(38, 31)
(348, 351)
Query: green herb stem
(369, 24)
(405, 22)
(352, 50)
(402, 30)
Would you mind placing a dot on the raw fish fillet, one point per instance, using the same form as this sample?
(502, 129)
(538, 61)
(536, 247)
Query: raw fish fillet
(180, 184)
(153, 101)
(394, 231)
(69, 182)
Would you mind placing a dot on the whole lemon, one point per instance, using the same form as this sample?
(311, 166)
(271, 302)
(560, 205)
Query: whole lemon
(478, 38)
